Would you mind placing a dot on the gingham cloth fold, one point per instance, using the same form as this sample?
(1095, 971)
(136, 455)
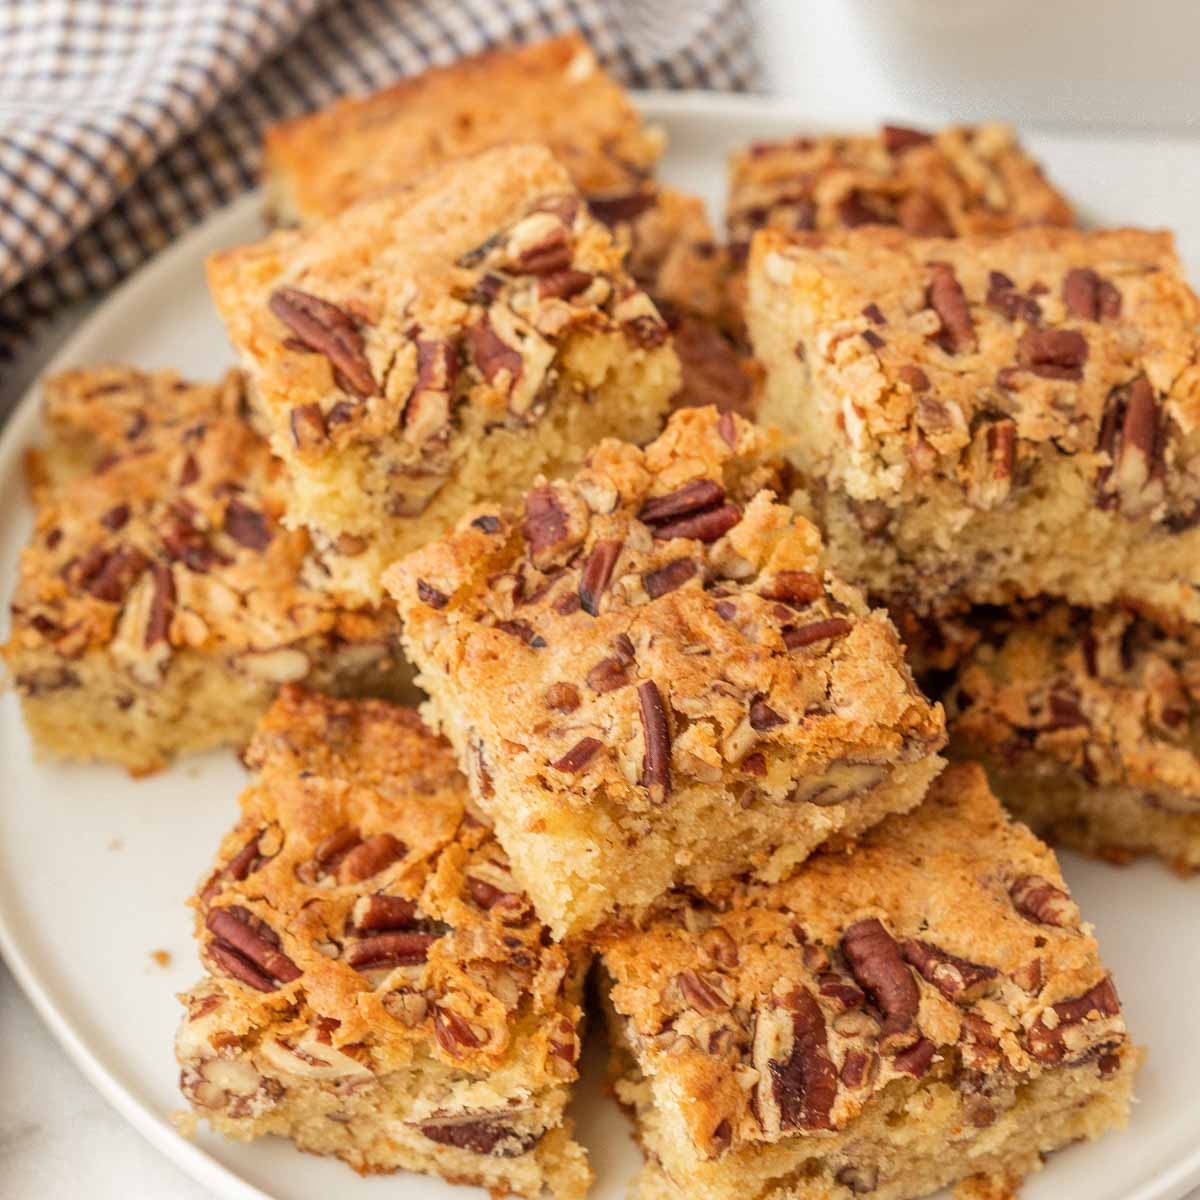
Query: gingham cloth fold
(126, 121)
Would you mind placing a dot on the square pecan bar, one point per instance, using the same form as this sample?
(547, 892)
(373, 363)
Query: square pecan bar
(983, 419)
(923, 1010)
(438, 346)
(553, 91)
(651, 678)
(379, 989)
(160, 603)
(1089, 726)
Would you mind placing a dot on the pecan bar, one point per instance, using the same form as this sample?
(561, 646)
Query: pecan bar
(1089, 726)
(160, 603)
(552, 91)
(378, 987)
(651, 678)
(923, 1010)
(437, 346)
(989, 418)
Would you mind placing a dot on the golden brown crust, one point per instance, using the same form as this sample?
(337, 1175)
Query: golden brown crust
(365, 937)
(944, 941)
(553, 91)
(660, 618)
(958, 180)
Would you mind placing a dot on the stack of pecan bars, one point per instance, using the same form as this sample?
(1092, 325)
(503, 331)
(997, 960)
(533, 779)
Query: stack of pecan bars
(673, 736)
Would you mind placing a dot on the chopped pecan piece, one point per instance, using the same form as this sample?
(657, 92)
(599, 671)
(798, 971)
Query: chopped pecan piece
(875, 960)
(622, 208)
(1052, 1041)
(693, 497)
(898, 138)
(667, 579)
(248, 949)
(915, 1059)
(1039, 900)
(797, 1081)
(922, 216)
(656, 759)
(328, 330)
(109, 574)
(699, 993)
(247, 526)
(1004, 298)
(764, 717)
(370, 857)
(480, 1135)
(607, 675)
(430, 595)
(308, 427)
(1132, 434)
(578, 756)
(948, 300)
(402, 948)
(564, 284)
(546, 523)
(162, 605)
(453, 1032)
(563, 697)
(116, 517)
(704, 526)
(1089, 296)
(375, 913)
(492, 355)
(799, 588)
(597, 572)
(1053, 353)
(818, 631)
(951, 975)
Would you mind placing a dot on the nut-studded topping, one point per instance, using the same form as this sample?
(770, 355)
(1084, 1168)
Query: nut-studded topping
(1066, 1035)
(1089, 296)
(403, 948)
(1053, 353)
(875, 960)
(656, 760)
(1039, 900)
(480, 1135)
(954, 977)
(248, 949)
(666, 579)
(797, 1080)
(947, 299)
(597, 572)
(326, 329)
(578, 756)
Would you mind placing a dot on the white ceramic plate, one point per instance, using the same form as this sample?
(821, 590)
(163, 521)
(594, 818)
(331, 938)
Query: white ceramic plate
(94, 867)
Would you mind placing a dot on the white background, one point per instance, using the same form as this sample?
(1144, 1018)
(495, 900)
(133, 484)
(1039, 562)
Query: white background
(1106, 63)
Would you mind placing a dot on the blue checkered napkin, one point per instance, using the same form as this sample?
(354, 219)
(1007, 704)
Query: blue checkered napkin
(122, 122)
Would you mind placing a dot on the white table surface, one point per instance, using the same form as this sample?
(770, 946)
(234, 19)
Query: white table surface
(58, 1138)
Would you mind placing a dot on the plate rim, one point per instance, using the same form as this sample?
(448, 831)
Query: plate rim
(108, 1080)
